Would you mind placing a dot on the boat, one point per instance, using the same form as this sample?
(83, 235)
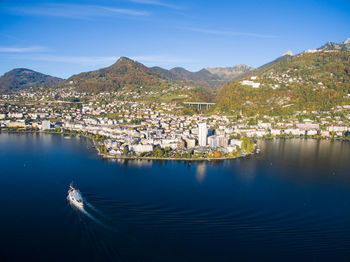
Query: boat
(74, 197)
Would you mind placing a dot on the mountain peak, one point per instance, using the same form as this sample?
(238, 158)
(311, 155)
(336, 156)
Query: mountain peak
(346, 41)
(345, 45)
(230, 73)
(123, 60)
(289, 52)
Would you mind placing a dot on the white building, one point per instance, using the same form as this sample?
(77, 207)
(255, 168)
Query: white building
(214, 141)
(15, 115)
(250, 83)
(141, 148)
(202, 134)
(275, 132)
(337, 128)
(46, 124)
(294, 132)
(312, 132)
(236, 142)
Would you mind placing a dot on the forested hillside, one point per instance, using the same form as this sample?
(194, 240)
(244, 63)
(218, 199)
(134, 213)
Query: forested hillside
(309, 81)
(21, 78)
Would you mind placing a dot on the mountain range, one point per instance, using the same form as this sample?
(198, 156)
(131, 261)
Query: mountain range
(131, 74)
(126, 73)
(345, 45)
(315, 79)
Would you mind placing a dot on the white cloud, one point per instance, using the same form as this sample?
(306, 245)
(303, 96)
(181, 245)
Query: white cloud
(156, 3)
(75, 11)
(126, 11)
(228, 33)
(23, 49)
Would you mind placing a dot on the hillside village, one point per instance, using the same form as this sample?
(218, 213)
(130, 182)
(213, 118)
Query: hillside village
(124, 128)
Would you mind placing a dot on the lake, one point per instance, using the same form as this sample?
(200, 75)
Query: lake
(289, 203)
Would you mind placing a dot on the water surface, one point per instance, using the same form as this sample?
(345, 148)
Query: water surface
(290, 203)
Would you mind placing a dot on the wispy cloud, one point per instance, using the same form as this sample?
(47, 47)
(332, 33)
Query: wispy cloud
(227, 33)
(156, 3)
(29, 49)
(125, 11)
(75, 11)
(81, 60)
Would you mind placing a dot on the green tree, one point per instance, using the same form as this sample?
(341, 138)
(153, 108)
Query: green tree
(125, 150)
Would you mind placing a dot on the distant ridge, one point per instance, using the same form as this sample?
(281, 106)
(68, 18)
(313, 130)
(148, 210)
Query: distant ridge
(129, 73)
(208, 77)
(22, 78)
(230, 73)
(345, 45)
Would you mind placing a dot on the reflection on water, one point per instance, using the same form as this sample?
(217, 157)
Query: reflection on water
(289, 203)
(200, 172)
(318, 159)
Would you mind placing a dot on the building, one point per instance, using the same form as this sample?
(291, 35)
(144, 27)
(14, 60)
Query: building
(236, 142)
(190, 143)
(46, 124)
(202, 134)
(141, 148)
(308, 126)
(214, 141)
(250, 83)
(16, 124)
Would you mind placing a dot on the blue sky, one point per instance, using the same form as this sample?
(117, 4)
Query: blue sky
(62, 37)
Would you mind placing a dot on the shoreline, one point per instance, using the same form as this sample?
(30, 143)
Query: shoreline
(123, 157)
(106, 156)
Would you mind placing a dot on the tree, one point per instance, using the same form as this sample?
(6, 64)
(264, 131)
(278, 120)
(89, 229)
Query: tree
(125, 150)
(217, 154)
(159, 152)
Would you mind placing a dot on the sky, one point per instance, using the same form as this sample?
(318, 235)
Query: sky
(62, 38)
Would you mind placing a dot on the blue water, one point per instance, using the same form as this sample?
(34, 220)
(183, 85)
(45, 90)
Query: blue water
(290, 203)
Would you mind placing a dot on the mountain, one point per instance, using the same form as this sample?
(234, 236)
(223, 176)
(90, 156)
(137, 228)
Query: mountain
(207, 77)
(202, 78)
(125, 73)
(230, 73)
(134, 81)
(345, 45)
(129, 74)
(21, 78)
(317, 80)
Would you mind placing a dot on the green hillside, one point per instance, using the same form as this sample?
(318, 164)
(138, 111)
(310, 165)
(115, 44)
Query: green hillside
(125, 73)
(134, 81)
(308, 81)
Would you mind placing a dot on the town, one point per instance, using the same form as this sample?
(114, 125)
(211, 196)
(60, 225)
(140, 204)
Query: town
(136, 129)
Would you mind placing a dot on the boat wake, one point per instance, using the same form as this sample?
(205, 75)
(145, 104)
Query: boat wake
(93, 218)
(94, 209)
